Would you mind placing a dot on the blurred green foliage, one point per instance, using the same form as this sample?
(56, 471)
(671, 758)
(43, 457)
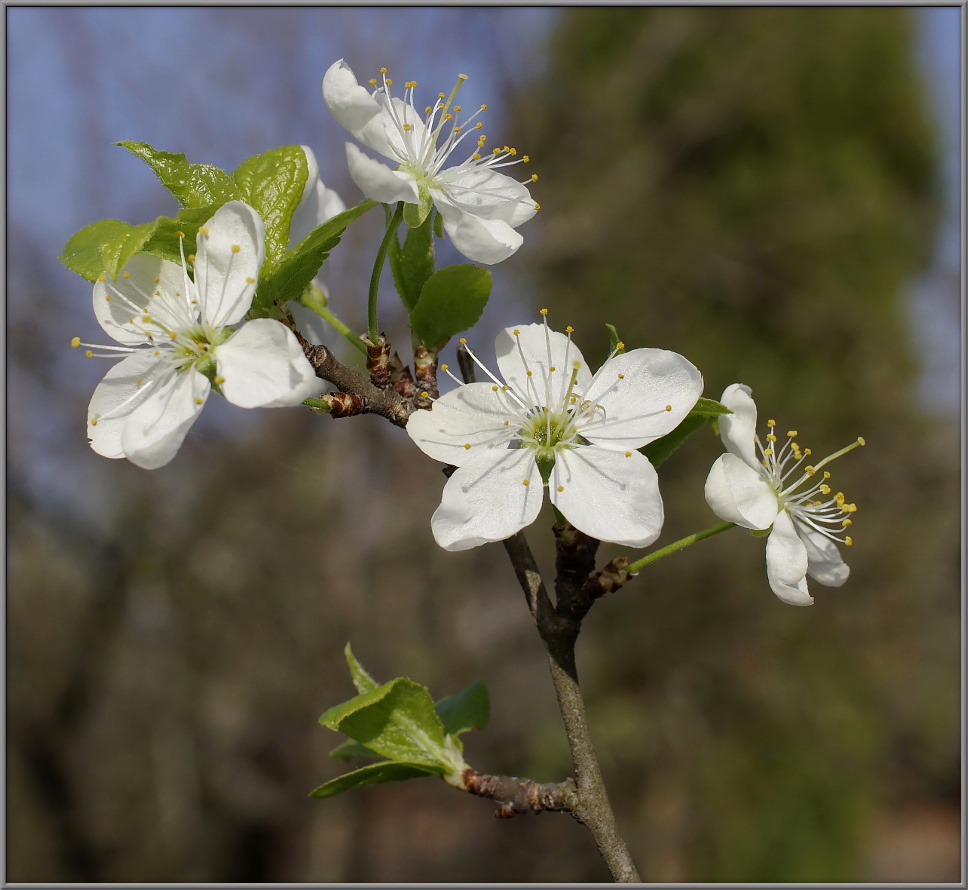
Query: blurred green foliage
(755, 188)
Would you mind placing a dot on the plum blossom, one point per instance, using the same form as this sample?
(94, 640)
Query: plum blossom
(481, 208)
(175, 333)
(552, 423)
(769, 486)
(317, 205)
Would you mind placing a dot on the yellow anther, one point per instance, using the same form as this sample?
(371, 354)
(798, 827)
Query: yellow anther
(173, 335)
(444, 367)
(457, 129)
(483, 108)
(127, 275)
(569, 330)
(191, 259)
(389, 81)
(75, 342)
(543, 311)
(809, 470)
(250, 281)
(494, 388)
(182, 234)
(476, 156)
(93, 421)
(496, 151)
(504, 389)
(771, 423)
(478, 125)
(440, 95)
(219, 381)
(537, 206)
(482, 140)
(516, 332)
(425, 395)
(199, 401)
(235, 248)
(767, 451)
(467, 445)
(157, 281)
(620, 345)
(511, 151)
(139, 382)
(526, 481)
(825, 489)
(792, 433)
(860, 440)
(846, 523)
(850, 508)
(372, 81)
(458, 108)
(826, 474)
(807, 451)
(525, 158)
(202, 230)
(383, 71)
(427, 109)
(668, 407)
(561, 488)
(463, 341)
(628, 453)
(534, 177)
(770, 438)
(88, 353)
(621, 376)
(576, 364)
(107, 297)
(529, 373)
(157, 352)
(849, 541)
(552, 368)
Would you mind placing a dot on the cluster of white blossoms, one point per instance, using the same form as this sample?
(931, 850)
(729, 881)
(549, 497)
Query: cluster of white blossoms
(770, 486)
(179, 341)
(551, 423)
(481, 208)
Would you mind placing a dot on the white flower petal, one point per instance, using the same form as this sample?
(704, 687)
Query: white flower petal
(317, 205)
(377, 181)
(146, 284)
(537, 348)
(155, 430)
(632, 394)
(355, 108)
(488, 194)
(228, 260)
(264, 366)
(485, 241)
(473, 414)
(738, 430)
(610, 495)
(825, 563)
(737, 493)
(487, 500)
(786, 562)
(123, 389)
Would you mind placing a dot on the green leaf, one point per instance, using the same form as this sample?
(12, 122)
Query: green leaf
(301, 264)
(451, 301)
(709, 408)
(193, 185)
(349, 748)
(465, 710)
(373, 774)
(616, 340)
(398, 721)
(413, 264)
(82, 253)
(361, 679)
(704, 411)
(273, 183)
(164, 241)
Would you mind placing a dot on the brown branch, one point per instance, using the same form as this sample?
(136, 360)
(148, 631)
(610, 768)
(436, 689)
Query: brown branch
(387, 402)
(575, 561)
(516, 795)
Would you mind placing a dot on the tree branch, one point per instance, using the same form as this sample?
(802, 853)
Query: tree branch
(516, 795)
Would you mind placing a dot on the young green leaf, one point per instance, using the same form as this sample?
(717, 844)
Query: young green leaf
(451, 301)
(349, 749)
(272, 183)
(616, 341)
(82, 253)
(465, 710)
(396, 720)
(413, 264)
(361, 679)
(374, 774)
(193, 185)
(414, 215)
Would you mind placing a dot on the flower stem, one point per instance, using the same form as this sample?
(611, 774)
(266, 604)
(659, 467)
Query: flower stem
(381, 255)
(681, 544)
(340, 326)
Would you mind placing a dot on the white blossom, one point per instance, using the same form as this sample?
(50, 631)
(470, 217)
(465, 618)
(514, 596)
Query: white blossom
(552, 423)
(772, 486)
(481, 208)
(317, 205)
(178, 341)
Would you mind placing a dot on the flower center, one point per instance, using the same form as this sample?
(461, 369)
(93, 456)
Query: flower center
(800, 491)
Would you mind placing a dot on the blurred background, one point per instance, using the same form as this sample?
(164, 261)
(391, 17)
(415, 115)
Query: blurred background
(774, 193)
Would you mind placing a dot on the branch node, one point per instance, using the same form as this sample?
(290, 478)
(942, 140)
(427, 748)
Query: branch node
(425, 369)
(378, 361)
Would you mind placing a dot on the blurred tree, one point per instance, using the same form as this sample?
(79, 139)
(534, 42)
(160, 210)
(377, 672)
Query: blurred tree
(755, 188)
